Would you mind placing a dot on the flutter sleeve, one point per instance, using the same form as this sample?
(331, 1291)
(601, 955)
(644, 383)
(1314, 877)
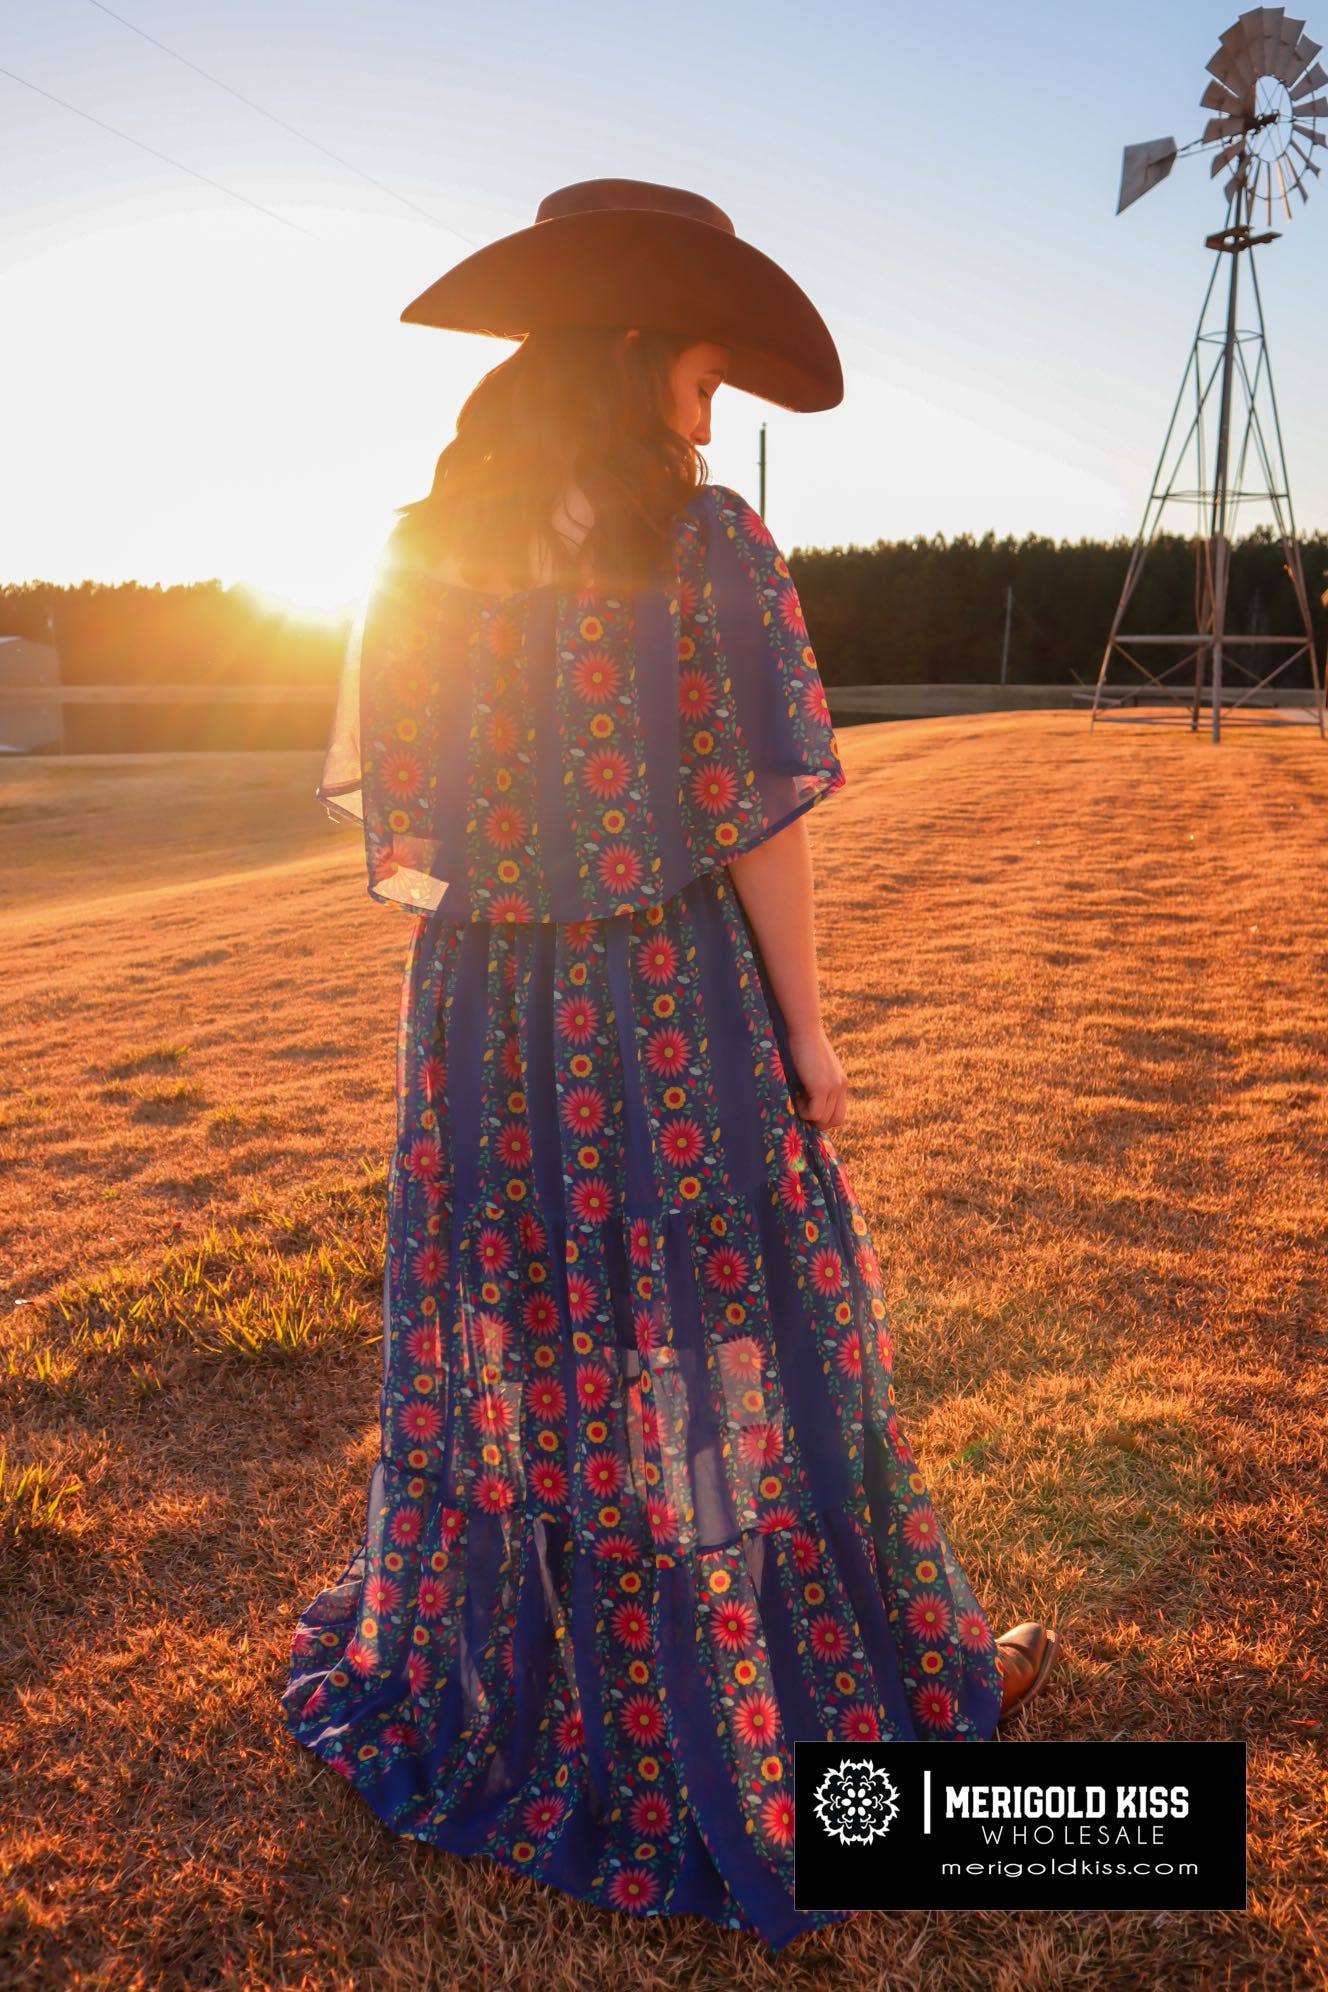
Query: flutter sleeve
(771, 753)
(564, 756)
(396, 758)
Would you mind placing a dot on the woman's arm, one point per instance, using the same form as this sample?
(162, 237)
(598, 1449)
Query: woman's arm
(774, 883)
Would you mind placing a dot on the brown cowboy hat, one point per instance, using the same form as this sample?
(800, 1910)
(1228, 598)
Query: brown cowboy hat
(628, 252)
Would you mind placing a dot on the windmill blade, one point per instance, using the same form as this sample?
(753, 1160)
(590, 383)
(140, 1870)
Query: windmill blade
(1217, 97)
(1273, 41)
(1308, 131)
(1314, 110)
(1232, 62)
(1251, 34)
(1307, 165)
(1225, 157)
(1313, 79)
(1306, 50)
(1222, 128)
(1261, 25)
(1238, 178)
(1285, 65)
(1142, 166)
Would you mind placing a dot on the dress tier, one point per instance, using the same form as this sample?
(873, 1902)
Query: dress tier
(642, 1513)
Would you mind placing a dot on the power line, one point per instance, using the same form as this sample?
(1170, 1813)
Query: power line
(165, 156)
(272, 118)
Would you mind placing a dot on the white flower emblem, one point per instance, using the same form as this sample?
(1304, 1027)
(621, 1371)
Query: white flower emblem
(856, 1801)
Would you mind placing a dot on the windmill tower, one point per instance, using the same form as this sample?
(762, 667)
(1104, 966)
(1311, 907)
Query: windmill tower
(1224, 444)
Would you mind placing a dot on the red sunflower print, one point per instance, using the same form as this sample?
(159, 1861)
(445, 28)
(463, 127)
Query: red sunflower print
(424, 1157)
(827, 1270)
(381, 1596)
(733, 1625)
(742, 1358)
(430, 1264)
(491, 1416)
(596, 677)
(592, 1200)
(607, 774)
(540, 1314)
(974, 1632)
(928, 1616)
(848, 1355)
(577, 1019)
(760, 1444)
(633, 1888)
(663, 1518)
(631, 1626)
(714, 788)
(402, 776)
(727, 1268)
(584, 1111)
(421, 1422)
(593, 1388)
(570, 1733)
(407, 1526)
(547, 1399)
(788, 610)
(424, 1344)
(682, 1142)
(756, 1720)
(582, 1296)
(541, 1816)
(509, 909)
(603, 1475)
(548, 1480)
(619, 868)
(657, 959)
(513, 1146)
(506, 827)
(651, 1815)
(494, 1494)
(777, 1819)
(643, 1719)
(920, 1528)
(668, 1050)
(828, 1637)
(806, 1550)
(504, 734)
(493, 1249)
(696, 695)
(859, 1723)
(934, 1706)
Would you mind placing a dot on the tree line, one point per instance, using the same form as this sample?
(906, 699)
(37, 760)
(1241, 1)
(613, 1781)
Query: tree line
(925, 610)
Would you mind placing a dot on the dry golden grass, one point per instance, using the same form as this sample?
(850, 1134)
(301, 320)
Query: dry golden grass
(1080, 983)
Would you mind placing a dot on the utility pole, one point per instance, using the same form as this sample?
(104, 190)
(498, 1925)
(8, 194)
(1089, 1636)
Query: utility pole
(1005, 646)
(761, 471)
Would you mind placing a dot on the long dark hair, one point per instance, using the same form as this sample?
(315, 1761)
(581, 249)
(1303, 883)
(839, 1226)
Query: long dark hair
(577, 405)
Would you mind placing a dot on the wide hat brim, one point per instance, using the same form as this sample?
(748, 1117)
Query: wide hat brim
(662, 272)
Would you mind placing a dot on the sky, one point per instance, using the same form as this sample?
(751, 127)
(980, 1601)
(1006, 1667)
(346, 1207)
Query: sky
(198, 388)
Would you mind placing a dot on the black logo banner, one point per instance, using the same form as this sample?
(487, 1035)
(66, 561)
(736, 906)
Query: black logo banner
(1122, 1825)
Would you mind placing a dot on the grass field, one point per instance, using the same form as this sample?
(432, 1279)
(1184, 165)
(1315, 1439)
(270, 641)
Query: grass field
(1079, 981)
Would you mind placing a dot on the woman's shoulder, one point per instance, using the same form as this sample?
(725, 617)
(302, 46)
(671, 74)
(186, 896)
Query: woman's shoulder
(738, 516)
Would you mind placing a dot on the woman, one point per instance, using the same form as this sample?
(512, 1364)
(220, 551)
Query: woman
(642, 1513)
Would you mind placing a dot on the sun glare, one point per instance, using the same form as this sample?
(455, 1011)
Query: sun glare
(300, 603)
(321, 594)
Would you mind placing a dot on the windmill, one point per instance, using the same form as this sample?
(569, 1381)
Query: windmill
(1224, 443)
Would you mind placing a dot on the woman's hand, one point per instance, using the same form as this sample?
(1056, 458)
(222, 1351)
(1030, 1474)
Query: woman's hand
(822, 1095)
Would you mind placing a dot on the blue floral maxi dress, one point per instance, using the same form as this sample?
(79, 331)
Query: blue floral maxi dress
(643, 1513)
